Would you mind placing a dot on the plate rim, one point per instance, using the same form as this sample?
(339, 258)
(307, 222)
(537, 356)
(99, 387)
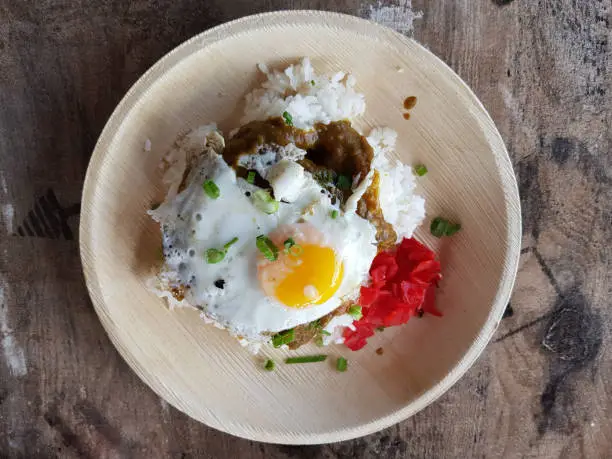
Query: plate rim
(511, 200)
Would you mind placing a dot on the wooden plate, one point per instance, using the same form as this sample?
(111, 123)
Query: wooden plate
(201, 370)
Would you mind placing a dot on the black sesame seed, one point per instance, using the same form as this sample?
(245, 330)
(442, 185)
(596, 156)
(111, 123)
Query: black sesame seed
(220, 283)
(198, 217)
(247, 194)
(322, 191)
(191, 252)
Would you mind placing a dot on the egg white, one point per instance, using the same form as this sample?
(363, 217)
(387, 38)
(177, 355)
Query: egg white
(192, 222)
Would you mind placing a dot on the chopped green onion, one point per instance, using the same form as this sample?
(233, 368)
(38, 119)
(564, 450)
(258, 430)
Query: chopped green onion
(312, 82)
(264, 202)
(355, 311)
(438, 227)
(269, 366)
(318, 340)
(291, 248)
(288, 118)
(230, 243)
(341, 364)
(334, 214)
(442, 227)
(251, 177)
(453, 228)
(211, 189)
(267, 247)
(420, 170)
(284, 337)
(343, 182)
(306, 359)
(325, 332)
(214, 256)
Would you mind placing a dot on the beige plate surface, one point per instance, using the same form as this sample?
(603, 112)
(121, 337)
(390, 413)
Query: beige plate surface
(201, 370)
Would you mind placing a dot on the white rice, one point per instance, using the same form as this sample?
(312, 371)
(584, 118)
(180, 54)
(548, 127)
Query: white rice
(401, 207)
(185, 151)
(307, 97)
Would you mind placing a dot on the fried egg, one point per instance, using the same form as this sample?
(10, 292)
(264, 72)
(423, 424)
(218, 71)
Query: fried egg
(323, 253)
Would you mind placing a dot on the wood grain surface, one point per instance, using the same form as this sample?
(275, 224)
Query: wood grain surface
(215, 380)
(541, 389)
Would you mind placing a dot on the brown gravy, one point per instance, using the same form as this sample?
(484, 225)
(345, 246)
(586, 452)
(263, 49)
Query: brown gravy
(410, 102)
(255, 134)
(306, 332)
(342, 149)
(368, 207)
(336, 147)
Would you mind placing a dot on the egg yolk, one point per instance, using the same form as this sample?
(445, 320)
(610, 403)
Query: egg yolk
(310, 274)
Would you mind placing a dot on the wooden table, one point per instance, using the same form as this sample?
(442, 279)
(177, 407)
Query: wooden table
(542, 387)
